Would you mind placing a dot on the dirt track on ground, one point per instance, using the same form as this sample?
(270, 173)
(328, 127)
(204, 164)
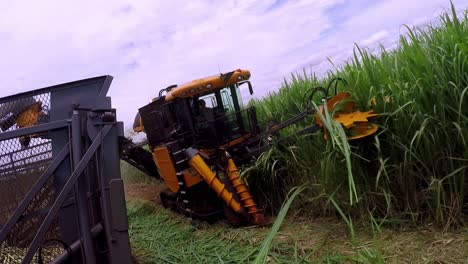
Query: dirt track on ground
(144, 192)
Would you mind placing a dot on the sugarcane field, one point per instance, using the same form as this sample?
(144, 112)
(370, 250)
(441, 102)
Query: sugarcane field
(266, 131)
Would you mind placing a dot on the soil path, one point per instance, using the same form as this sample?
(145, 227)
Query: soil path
(148, 192)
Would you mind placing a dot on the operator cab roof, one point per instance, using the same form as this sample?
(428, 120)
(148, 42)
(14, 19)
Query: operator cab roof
(203, 85)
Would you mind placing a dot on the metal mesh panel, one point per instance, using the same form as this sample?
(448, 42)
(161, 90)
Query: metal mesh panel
(22, 161)
(36, 160)
(24, 112)
(13, 255)
(19, 170)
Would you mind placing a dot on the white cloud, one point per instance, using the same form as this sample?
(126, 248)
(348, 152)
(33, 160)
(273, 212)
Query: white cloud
(377, 37)
(147, 45)
(369, 24)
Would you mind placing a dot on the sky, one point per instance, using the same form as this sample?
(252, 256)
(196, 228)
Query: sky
(148, 45)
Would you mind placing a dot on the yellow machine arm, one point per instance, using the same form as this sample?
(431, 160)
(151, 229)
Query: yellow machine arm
(241, 202)
(197, 162)
(244, 194)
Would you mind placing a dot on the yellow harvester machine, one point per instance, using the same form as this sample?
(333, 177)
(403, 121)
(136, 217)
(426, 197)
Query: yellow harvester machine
(200, 132)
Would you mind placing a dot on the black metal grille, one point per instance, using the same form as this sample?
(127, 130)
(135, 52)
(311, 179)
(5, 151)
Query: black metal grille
(24, 112)
(22, 160)
(53, 192)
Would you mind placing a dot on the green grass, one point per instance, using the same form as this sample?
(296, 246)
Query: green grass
(160, 236)
(262, 255)
(414, 169)
(131, 174)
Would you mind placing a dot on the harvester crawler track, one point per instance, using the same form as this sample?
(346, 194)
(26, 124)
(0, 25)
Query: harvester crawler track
(198, 203)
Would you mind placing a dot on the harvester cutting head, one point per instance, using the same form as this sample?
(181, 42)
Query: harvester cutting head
(344, 110)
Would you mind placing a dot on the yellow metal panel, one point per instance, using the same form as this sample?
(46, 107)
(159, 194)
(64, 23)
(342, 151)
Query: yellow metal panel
(355, 122)
(244, 194)
(165, 166)
(30, 116)
(362, 129)
(347, 120)
(237, 141)
(209, 152)
(210, 83)
(210, 178)
(191, 177)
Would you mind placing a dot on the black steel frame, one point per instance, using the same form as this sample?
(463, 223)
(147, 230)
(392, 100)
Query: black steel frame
(85, 168)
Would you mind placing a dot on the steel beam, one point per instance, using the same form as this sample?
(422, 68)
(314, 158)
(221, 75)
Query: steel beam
(99, 84)
(81, 192)
(33, 129)
(113, 204)
(75, 246)
(64, 193)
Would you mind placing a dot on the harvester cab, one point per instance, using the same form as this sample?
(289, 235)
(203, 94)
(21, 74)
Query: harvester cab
(199, 132)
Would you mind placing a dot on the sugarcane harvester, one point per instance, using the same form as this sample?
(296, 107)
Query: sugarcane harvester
(200, 132)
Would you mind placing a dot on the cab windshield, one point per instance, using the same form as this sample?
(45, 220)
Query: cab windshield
(219, 116)
(227, 99)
